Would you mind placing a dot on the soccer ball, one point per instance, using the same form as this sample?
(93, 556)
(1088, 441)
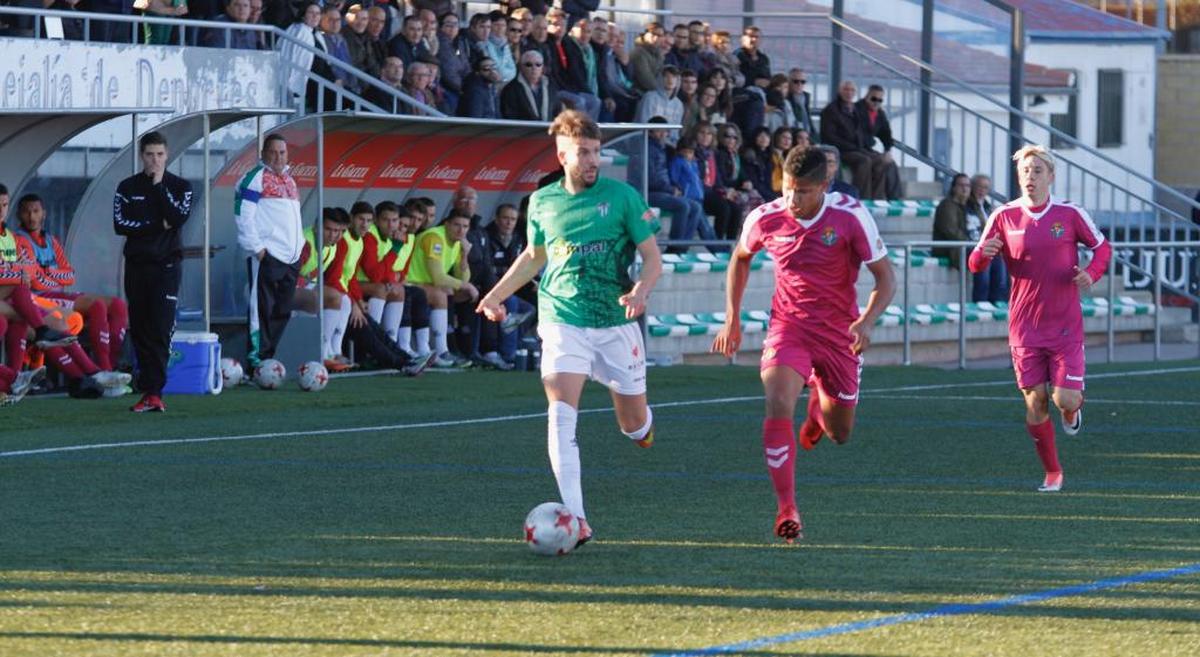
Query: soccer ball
(270, 374)
(231, 372)
(551, 529)
(312, 376)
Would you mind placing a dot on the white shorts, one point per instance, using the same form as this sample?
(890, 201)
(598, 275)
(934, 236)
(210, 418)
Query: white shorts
(614, 357)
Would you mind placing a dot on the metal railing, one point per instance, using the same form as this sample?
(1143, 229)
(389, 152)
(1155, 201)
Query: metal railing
(345, 98)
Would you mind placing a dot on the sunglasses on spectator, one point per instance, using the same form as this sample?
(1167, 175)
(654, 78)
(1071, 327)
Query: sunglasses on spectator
(799, 81)
(531, 64)
(876, 99)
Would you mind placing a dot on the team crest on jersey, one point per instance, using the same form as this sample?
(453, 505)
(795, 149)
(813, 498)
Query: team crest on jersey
(437, 249)
(1056, 231)
(602, 208)
(829, 236)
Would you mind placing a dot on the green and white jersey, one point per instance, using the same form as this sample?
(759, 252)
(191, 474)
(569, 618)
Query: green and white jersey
(590, 239)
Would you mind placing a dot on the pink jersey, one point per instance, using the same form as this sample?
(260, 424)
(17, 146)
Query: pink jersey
(816, 263)
(1041, 253)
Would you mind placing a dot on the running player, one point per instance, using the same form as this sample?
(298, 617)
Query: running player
(585, 229)
(1037, 236)
(817, 334)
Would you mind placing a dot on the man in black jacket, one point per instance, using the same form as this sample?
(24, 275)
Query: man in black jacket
(150, 210)
(876, 126)
(842, 126)
(531, 96)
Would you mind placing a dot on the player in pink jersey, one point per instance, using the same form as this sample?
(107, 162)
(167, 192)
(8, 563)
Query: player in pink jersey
(1038, 237)
(817, 334)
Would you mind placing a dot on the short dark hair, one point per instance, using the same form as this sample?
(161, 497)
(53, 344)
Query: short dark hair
(476, 19)
(413, 18)
(30, 198)
(3, 190)
(805, 164)
(386, 206)
(443, 17)
(456, 214)
(479, 63)
(505, 206)
(152, 138)
(497, 15)
(361, 207)
(335, 215)
(274, 136)
(670, 69)
(874, 87)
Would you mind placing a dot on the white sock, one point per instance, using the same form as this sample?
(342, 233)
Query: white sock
(375, 308)
(564, 454)
(422, 339)
(330, 318)
(393, 313)
(335, 347)
(439, 321)
(641, 433)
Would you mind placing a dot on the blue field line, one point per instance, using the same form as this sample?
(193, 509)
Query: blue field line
(956, 609)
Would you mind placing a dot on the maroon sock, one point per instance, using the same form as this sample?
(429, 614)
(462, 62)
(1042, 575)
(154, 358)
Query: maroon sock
(63, 361)
(1043, 441)
(81, 358)
(22, 302)
(7, 375)
(14, 344)
(118, 321)
(96, 319)
(779, 447)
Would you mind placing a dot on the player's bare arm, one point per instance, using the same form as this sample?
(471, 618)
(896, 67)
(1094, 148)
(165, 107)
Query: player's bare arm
(635, 300)
(526, 266)
(881, 296)
(1082, 280)
(729, 339)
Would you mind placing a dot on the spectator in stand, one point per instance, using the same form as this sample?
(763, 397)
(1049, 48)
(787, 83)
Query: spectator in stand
(305, 31)
(732, 171)
(163, 34)
(662, 101)
(507, 243)
(506, 62)
(438, 7)
(781, 143)
(236, 12)
(686, 214)
(568, 67)
(335, 45)
(719, 80)
(418, 78)
(267, 211)
(753, 63)
(539, 39)
(682, 55)
(648, 58)
(833, 172)
(525, 18)
(531, 96)
(689, 83)
(798, 101)
(720, 199)
(699, 40)
(429, 31)
(877, 126)
(454, 57)
(375, 44)
(514, 37)
(684, 172)
(479, 99)
(440, 267)
(758, 163)
(801, 138)
(842, 126)
(775, 116)
(990, 284)
(724, 59)
(478, 31)
(354, 34)
(104, 317)
(256, 18)
(612, 73)
(577, 10)
(950, 219)
(702, 109)
(407, 45)
(392, 75)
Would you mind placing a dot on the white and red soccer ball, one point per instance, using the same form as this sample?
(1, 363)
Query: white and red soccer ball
(312, 376)
(270, 374)
(551, 529)
(231, 373)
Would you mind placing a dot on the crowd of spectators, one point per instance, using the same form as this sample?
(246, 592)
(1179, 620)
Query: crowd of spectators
(961, 216)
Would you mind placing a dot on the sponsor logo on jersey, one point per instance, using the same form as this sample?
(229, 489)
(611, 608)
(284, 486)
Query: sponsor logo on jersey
(844, 396)
(1056, 230)
(1072, 377)
(829, 236)
(769, 353)
(1013, 233)
(784, 238)
(564, 250)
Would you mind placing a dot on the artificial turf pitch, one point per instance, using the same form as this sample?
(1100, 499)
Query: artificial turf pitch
(278, 537)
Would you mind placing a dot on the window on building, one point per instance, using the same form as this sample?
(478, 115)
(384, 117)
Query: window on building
(1067, 123)
(1110, 115)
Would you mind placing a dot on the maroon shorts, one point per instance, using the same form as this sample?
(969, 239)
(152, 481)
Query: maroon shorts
(836, 372)
(1061, 367)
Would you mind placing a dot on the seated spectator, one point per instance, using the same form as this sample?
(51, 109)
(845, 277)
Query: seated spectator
(440, 267)
(719, 81)
(662, 101)
(376, 43)
(732, 171)
(724, 59)
(105, 317)
(775, 113)
(702, 110)
(569, 69)
(720, 198)
(877, 127)
(435, 7)
(833, 172)
(354, 34)
(686, 214)
(689, 83)
(236, 12)
(435, 89)
(538, 38)
(681, 55)
(477, 36)
(454, 57)
(407, 45)
(684, 172)
(392, 76)
(990, 284)
(531, 96)
(781, 143)
(798, 101)
(162, 34)
(429, 31)
(842, 126)
(950, 219)
(801, 138)
(514, 36)
(758, 163)
(612, 64)
(648, 58)
(753, 63)
(499, 47)
(507, 244)
(479, 98)
(417, 85)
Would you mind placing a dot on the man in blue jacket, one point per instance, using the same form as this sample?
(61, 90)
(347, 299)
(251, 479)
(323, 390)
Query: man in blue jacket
(686, 214)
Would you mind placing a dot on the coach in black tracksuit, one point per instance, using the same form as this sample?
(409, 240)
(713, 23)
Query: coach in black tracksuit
(150, 209)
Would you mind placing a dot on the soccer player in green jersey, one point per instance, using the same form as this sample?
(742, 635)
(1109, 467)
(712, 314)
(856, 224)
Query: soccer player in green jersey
(584, 229)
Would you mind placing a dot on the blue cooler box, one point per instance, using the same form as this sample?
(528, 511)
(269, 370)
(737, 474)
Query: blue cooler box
(194, 367)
